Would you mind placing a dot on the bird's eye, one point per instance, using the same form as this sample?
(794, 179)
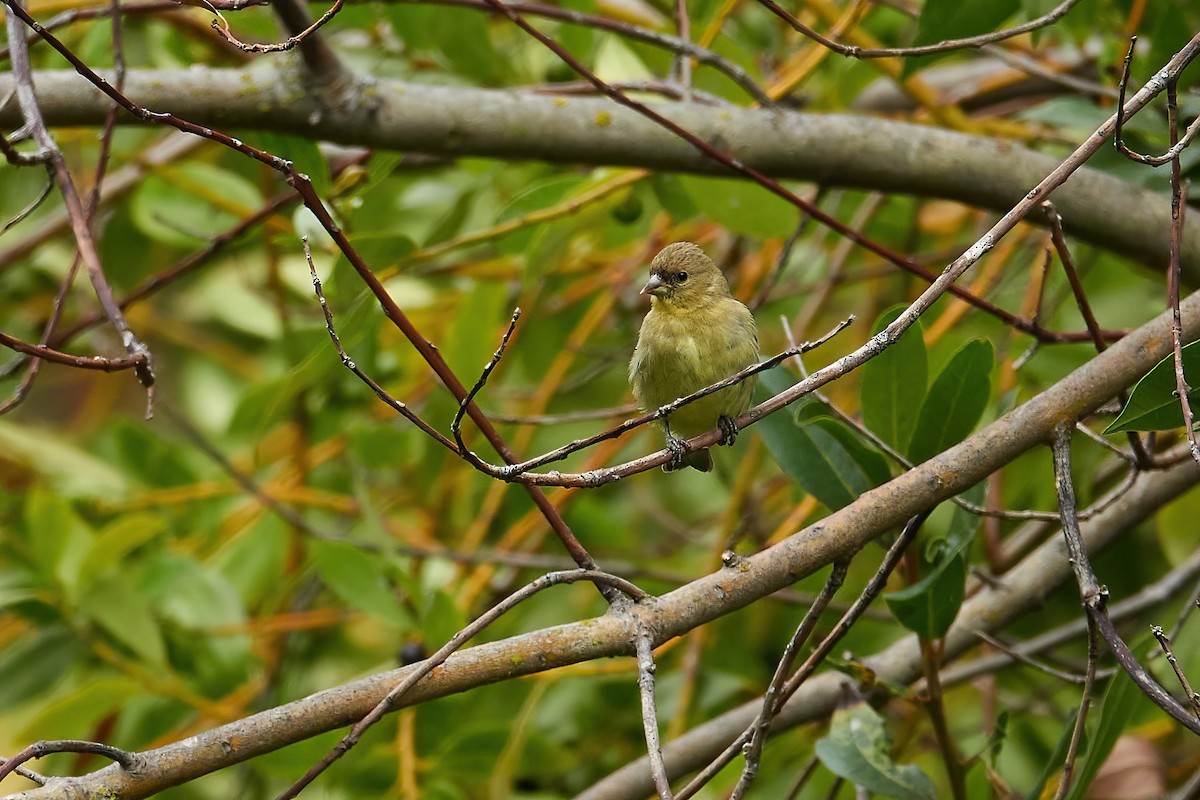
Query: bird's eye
(680, 276)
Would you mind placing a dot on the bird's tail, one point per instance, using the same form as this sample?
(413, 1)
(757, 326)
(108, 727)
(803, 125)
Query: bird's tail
(696, 459)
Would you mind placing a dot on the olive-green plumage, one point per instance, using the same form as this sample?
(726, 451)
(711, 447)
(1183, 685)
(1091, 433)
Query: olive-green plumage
(695, 335)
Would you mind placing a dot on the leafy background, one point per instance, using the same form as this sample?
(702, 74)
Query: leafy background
(144, 595)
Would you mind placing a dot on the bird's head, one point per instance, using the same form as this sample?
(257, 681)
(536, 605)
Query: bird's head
(682, 276)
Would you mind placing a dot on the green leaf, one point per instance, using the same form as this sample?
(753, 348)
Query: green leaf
(871, 463)
(118, 539)
(741, 206)
(72, 471)
(1176, 529)
(112, 604)
(253, 560)
(54, 651)
(893, 384)
(956, 19)
(189, 594)
(929, 606)
(77, 712)
(59, 539)
(539, 196)
(148, 456)
(1153, 404)
(359, 579)
(18, 586)
(955, 402)
(187, 203)
(857, 748)
(380, 445)
(820, 454)
(671, 193)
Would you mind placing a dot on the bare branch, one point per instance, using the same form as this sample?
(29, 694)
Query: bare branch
(833, 150)
(126, 760)
(1165, 644)
(644, 645)
(1094, 595)
(1064, 781)
(945, 46)
(1178, 145)
(772, 697)
(479, 384)
(459, 639)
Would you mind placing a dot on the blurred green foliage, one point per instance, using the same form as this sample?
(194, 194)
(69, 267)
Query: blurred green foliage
(146, 595)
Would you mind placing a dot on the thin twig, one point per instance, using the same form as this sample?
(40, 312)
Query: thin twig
(1165, 644)
(35, 364)
(222, 27)
(1177, 144)
(669, 89)
(1093, 594)
(140, 356)
(644, 647)
(944, 46)
(31, 207)
(785, 255)
(456, 425)
(1179, 193)
(1089, 679)
(676, 44)
(135, 362)
(771, 698)
(1030, 66)
(456, 642)
(935, 707)
(28, 774)
(566, 417)
(1022, 656)
(187, 265)
(809, 770)
(396, 405)
(874, 586)
(511, 471)
(126, 759)
(1059, 239)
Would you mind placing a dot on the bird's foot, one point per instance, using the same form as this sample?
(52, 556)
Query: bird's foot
(729, 430)
(679, 453)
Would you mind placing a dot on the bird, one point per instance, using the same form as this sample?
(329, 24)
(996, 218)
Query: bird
(694, 335)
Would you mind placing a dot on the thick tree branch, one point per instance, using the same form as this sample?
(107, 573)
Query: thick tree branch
(1021, 591)
(830, 149)
(835, 537)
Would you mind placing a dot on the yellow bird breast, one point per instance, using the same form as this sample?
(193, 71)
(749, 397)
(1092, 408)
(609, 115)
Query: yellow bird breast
(680, 352)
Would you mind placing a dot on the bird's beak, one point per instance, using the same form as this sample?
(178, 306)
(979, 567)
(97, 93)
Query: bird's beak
(655, 286)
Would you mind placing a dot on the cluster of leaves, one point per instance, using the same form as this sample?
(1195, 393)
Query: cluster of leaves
(145, 594)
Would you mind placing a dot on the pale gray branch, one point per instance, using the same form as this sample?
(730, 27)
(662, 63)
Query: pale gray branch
(829, 149)
(835, 537)
(1019, 592)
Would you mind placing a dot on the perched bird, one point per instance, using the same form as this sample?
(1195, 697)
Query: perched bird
(694, 335)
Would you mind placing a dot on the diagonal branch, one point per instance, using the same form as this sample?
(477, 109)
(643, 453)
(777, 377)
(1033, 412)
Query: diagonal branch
(837, 536)
(833, 150)
(1094, 595)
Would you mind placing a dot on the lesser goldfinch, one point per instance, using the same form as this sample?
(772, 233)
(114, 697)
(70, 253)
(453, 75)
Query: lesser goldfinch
(694, 335)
